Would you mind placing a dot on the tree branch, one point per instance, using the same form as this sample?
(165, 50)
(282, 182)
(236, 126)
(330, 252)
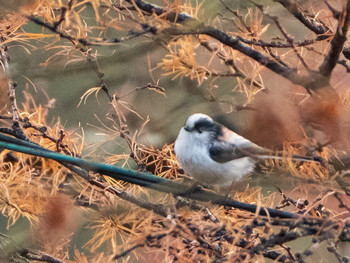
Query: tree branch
(190, 26)
(337, 43)
(79, 43)
(310, 22)
(4, 59)
(139, 178)
(39, 256)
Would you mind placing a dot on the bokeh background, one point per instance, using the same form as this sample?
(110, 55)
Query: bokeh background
(132, 64)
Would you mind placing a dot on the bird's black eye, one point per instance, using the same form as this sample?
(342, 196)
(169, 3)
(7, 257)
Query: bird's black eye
(199, 130)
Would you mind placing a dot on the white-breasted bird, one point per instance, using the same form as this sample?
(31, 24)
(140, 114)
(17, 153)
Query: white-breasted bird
(216, 156)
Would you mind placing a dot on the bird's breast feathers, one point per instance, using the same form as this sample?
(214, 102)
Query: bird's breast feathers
(197, 162)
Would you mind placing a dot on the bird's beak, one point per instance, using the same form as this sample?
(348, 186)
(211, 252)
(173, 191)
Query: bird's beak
(186, 128)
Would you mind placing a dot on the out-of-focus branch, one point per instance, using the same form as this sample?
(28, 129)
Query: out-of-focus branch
(64, 11)
(158, 10)
(311, 23)
(341, 202)
(193, 26)
(139, 178)
(26, 124)
(53, 28)
(313, 81)
(230, 63)
(332, 248)
(197, 238)
(80, 44)
(22, 254)
(4, 58)
(343, 185)
(336, 13)
(311, 225)
(128, 251)
(310, 82)
(39, 256)
(288, 38)
(157, 208)
(337, 43)
(277, 44)
(260, 42)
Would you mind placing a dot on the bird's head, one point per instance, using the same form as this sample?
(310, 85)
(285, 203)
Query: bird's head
(202, 128)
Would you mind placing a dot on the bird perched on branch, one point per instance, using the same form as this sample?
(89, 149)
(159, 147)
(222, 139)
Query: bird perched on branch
(216, 156)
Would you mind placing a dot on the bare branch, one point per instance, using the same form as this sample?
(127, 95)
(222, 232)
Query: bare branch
(81, 44)
(288, 38)
(341, 202)
(337, 43)
(191, 26)
(64, 11)
(230, 63)
(157, 208)
(126, 252)
(310, 22)
(39, 256)
(332, 248)
(4, 59)
(336, 13)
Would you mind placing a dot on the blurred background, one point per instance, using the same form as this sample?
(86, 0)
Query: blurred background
(60, 77)
(49, 73)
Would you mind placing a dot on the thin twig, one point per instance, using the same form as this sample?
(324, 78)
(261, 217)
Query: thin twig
(336, 13)
(96, 67)
(230, 63)
(310, 22)
(191, 26)
(39, 256)
(237, 15)
(64, 11)
(126, 252)
(157, 208)
(341, 202)
(154, 182)
(81, 44)
(288, 38)
(4, 58)
(337, 43)
(332, 248)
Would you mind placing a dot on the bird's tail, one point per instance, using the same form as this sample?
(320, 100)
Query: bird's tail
(297, 158)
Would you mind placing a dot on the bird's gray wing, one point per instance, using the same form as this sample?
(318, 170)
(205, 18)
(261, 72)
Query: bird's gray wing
(221, 151)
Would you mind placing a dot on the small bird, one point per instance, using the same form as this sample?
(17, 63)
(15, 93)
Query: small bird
(216, 156)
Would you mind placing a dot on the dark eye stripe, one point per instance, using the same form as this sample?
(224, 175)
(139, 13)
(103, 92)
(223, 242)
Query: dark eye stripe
(204, 124)
(207, 125)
